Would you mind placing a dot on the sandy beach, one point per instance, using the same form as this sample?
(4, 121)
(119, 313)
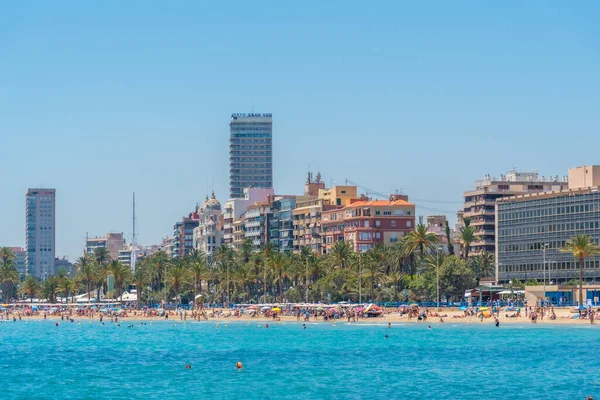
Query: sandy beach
(564, 316)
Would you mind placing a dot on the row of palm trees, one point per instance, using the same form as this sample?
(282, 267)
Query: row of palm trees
(243, 275)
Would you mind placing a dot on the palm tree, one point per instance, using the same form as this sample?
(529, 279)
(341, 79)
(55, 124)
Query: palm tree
(246, 250)
(177, 276)
(395, 279)
(49, 288)
(341, 252)
(159, 261)
(66, 286)
(140, 279)
(483, 265)
(102, 257)
(224, 259)
(121, 273)
(305, 255)
(373, 267)
(30, 287)
(466, 236)
(420, 239)
(198, 265)
(7, 255)
(582, 247)
(86, 269)
(278, 262)
(8, 272)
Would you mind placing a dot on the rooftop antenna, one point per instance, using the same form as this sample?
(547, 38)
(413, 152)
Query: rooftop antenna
(252, 106)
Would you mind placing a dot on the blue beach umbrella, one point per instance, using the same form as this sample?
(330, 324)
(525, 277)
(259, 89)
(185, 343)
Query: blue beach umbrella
(34, 308)
(463, 308)
(104, 310)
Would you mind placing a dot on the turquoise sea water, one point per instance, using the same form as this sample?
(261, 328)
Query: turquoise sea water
(41, 361)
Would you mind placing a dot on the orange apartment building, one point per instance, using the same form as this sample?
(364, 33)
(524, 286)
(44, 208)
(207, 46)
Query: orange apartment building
(365, 223)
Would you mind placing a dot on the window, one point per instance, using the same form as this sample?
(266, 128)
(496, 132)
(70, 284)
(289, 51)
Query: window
(408, 224)
(407, 212)
(377, 223)
(366, 223)
(393, 224)
(387, 213)
(377, 212)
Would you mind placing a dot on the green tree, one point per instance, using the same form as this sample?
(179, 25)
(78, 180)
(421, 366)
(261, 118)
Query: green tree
(177, 276)
(140, 279)
(66, 286)
(87, 273)
(582, 247)
(448, 239)
(420, 240)
(278, 263)
(466, 236)
(121, 274)
(483, 265)
(49, 289)
(159, 262)
(102, 258)
(455, 278)
(198, 266)
(8, 271)
(341, 252)
(30, 287)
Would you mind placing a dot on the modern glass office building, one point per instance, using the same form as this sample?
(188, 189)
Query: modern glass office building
(40, 232)
(250, 153)
(531, 229)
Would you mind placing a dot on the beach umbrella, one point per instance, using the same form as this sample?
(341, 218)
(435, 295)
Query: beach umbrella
(34, 308)
(463, 308)
(265, 308)
(276, 309)
(483, 309)
(414, 305)
(104, 310)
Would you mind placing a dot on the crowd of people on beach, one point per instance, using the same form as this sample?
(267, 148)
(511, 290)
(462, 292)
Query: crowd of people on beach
(302, 313)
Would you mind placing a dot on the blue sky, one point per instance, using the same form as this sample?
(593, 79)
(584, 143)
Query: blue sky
(98, 100)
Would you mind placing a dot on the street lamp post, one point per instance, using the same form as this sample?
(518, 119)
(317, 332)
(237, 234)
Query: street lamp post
(544, 266)
(437, 271)
(227, 306)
